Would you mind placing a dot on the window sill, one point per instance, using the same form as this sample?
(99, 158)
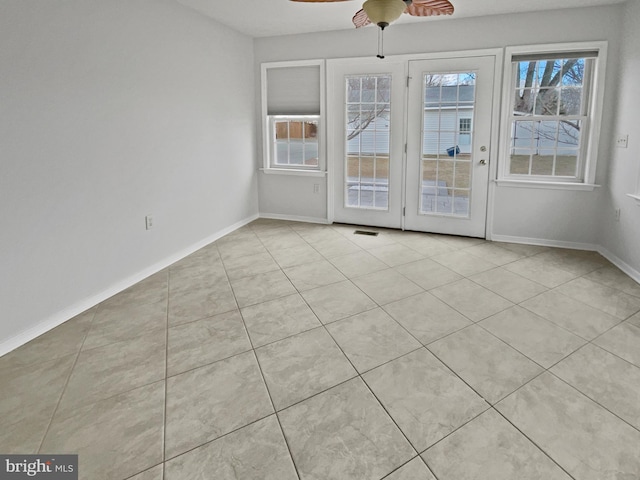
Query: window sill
(635, 197)
(587, 187)
(291, 171)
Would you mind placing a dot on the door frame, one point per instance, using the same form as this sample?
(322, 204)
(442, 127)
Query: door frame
(333, 162)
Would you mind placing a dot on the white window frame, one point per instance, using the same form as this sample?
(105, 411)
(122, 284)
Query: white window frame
(590, 141)
(267, 153)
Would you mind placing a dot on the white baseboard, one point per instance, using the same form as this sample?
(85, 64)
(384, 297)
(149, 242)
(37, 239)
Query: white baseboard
(62, 316)
(294, 218)
(622, 265)
(545, 242)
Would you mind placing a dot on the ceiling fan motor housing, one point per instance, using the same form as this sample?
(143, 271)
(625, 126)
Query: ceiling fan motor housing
(383, 12)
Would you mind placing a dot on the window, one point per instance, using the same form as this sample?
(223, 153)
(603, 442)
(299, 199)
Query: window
(294, 141)
(464, 134)
(553, 113)
(293, 112)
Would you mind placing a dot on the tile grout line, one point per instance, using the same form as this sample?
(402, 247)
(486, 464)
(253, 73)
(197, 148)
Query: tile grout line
(191, 449)
(264, 381)
(544, 452)
(493, 407)
(608, 351)
(359, 375)
(166, 378)
(66, 383)
(545, 369)
(587, 396)
(216, 361)
(420, 459)
(589, 305)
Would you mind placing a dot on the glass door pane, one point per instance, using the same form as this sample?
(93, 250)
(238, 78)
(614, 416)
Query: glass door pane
(367, 133)
(447, 139)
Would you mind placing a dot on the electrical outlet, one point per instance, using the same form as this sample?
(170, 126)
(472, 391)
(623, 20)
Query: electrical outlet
(622, 141)
(617, 212)
(148, 221)
(316, 188)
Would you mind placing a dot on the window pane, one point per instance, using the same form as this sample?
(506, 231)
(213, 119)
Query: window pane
(569, 133)
(567, 163)
(545, 134)
(546, 102)
(571, 101)
(311, 131)
(353, 90)
(522, 134)
(368, 92)
(463, 175)
(429, 186)
(519, 164)
(382, 170)
(448, 79)
(296, 152)
(282, 130)
(282, 153)
(311, 154)
(432, 94)
(573, 71)
(383, 90)
(367, 183)
(542, 164)
(444, 204)
(461, 202)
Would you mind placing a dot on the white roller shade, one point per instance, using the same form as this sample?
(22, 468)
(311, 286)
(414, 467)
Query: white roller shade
(293, 90)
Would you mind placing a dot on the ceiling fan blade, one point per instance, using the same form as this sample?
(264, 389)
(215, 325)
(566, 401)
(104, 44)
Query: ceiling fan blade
(427, 8)
(360, 19)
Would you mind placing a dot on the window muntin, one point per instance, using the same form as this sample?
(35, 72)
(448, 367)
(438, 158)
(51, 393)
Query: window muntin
(550, 116)
(445, 180)
(368, 141)
(294, 141)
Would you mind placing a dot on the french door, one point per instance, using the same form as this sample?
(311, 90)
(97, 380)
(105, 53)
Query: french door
(449, 109)
(411, 143)
(366, 131)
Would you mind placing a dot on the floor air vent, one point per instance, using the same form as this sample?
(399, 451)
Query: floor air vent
(365, 232)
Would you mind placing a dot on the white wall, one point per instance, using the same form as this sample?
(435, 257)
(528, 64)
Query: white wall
(565, 217)
(622, 238)
(112, 110)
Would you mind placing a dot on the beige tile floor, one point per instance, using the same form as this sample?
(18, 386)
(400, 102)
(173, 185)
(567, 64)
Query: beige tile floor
(298, 351)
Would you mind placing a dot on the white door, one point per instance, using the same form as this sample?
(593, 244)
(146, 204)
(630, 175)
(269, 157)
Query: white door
(409, 142)
(366, 141)
(448, 134)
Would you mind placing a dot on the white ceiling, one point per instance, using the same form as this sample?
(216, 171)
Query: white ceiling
(264, 18)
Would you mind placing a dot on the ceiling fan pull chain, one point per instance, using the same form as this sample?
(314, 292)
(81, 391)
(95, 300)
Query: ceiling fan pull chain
(381, 43)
